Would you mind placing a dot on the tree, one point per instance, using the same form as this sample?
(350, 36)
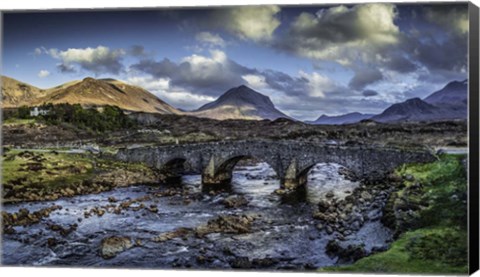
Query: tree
(24, 112)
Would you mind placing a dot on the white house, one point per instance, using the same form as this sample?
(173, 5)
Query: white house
(36, 112)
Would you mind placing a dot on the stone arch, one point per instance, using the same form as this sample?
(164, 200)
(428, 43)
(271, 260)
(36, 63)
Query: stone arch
(174, 163)
(230, 163)
(302, 175)
(223, 172)
(173, 169)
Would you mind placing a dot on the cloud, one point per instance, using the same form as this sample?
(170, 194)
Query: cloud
(396, 60)
(343, 34)
(453, 18)
(255, 81)
(202, 78)
(209, 39)
(176, 96)
(448, 55)
(149, 83)
(138, 51)
(256, 23)
(208, 75)
(38, 51)
(364, 77)
(66, 68)
(43, 73)
(369, 93)
(97, 60)
(317, 85)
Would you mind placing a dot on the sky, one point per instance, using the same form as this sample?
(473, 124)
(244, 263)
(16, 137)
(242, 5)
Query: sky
(310, 59)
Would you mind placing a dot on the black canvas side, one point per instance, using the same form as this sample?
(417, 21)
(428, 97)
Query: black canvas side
(473, 139)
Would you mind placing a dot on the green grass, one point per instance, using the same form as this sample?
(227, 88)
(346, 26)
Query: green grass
(447, 168)
(439, 245)
(401, 259)
(19, 121)
(54, 172)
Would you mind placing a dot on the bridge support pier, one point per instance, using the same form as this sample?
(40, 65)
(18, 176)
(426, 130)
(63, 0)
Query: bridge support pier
(293, 190)
(293, 185)
(216, 182)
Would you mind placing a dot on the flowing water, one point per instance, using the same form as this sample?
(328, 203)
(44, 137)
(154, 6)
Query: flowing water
(283, 232)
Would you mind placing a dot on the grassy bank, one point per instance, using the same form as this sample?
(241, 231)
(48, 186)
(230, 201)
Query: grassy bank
(33, 176)
(433, 238)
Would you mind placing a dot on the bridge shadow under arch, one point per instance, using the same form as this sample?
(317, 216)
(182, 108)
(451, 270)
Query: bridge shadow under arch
(226, 170)
(174, 169)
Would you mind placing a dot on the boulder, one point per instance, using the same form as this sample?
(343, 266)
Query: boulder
(180, 232)
(226, 224)
(345, 252)
(112, 246)
(241, 262)
(323, 205)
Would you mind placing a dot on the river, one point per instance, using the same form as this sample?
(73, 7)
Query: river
(284, 233)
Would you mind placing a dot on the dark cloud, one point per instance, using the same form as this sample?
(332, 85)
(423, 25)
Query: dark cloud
(369, 92)
(64, 68)
(284, 82)
(452, 18)
(364, 77)
(138, 51)
(398, 62)
(159, 69)
(451, 54)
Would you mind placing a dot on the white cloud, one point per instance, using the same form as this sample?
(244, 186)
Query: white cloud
(344, 34)
(210, 39)
(97, 60)
(176, 96)
(256, 23)
(317, 85)
(255, 81)
(149, 83)
(207, 69)
(43, 73)
(38, 51)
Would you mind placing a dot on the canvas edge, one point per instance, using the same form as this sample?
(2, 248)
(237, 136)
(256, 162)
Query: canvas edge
(473, 157)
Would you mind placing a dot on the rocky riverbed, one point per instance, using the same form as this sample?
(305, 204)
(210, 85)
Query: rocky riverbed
(181, 227)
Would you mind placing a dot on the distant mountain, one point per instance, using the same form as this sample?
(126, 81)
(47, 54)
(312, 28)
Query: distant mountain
(453, 99)
(414, 109)
(348, 118)
(89, 93)
(448, 103)
(240, 103)
(453, 94)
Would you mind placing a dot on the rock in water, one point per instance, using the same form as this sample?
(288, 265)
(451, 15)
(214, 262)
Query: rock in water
(226, 224)
(235, 201)
(111, 246)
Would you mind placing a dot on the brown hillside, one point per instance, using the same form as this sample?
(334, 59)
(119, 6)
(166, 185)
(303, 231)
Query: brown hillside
(89, 93)
(16, 93)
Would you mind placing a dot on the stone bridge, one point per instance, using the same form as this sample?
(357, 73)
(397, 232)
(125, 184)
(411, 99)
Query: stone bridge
(291, 160)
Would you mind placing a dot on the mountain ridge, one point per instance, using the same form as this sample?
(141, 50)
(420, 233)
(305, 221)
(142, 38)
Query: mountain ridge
(347, 118)
(88, 92)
